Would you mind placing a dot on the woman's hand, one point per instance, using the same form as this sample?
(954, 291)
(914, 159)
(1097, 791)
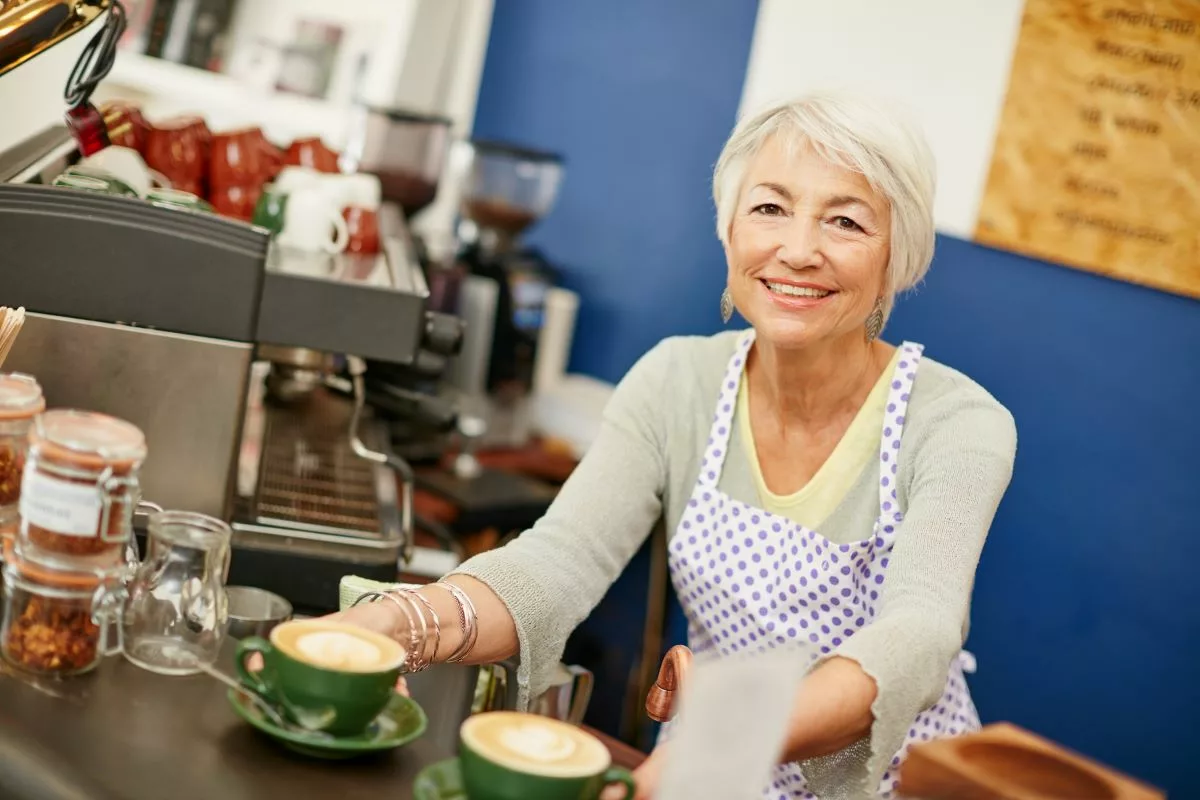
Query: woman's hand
(380, 617)
(647, 777)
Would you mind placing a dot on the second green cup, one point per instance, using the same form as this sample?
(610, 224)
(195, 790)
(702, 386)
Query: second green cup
(508, 755)
(269, 211)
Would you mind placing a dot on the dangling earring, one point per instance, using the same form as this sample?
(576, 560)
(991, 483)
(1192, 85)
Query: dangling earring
(726, 306)
(875, 320)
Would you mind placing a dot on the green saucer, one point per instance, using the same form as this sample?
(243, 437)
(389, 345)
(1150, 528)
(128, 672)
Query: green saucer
(440, 781)
(399, 723)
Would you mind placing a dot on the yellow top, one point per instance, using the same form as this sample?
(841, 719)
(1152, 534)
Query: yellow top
(859, 446)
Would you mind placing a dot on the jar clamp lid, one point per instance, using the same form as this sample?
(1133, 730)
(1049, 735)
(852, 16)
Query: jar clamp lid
(20, 396)
(88, 440)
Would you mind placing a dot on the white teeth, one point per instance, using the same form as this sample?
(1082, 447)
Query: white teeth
(795, 291)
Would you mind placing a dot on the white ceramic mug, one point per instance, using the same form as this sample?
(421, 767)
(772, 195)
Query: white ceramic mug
(291, 179)
(358, 190)
(126, 165)
(307, 219)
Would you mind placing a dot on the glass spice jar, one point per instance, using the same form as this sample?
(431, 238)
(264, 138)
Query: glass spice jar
(80, 489)
(57, 622)
(20, 401)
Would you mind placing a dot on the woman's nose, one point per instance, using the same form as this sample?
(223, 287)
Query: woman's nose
(800, 243)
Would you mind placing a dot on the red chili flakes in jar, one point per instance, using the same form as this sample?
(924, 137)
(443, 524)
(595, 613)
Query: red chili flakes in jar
(20, 401)
(80, 488)
(52, 635)
(48, 624)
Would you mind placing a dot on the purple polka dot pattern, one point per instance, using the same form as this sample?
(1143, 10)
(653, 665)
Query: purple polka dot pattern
(784, 583)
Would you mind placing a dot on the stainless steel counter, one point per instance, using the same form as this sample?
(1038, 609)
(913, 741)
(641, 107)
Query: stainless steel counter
(121, 733)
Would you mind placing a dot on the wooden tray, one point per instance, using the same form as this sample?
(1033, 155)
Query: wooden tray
(1005, 762)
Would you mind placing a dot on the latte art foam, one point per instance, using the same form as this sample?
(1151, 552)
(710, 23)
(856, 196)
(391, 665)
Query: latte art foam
(337, 650)
(535, 745)
(337, 646)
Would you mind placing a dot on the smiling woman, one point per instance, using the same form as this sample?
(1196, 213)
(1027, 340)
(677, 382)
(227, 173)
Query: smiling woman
(823, 213)
(862, 184)
(749, 443)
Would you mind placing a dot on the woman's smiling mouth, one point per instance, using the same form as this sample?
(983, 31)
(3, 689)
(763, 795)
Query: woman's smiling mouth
(796, 295)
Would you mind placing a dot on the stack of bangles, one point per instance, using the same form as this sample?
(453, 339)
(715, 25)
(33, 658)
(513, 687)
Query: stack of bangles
(424, 626)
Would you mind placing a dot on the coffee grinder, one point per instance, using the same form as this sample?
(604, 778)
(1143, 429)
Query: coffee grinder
(507, 189)
(497, 286)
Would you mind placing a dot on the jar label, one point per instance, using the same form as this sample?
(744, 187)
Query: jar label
(68, 508)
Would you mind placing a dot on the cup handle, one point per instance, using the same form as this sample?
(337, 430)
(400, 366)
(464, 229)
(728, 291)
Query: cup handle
(273, 156)
(147, 510)
(158, 179)
(615, 775)
(341, 234)
(108, 611)
(246, 648)
(492, 687)
(582, 694)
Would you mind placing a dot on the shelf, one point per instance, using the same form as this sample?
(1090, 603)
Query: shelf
(165, 88)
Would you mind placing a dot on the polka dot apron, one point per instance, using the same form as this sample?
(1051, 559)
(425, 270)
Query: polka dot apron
(749, 580)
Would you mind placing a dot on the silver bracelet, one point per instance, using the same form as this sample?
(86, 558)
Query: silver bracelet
(462, 623)
(468, 618)
(437, 623)
(417, 656)
(412, 659)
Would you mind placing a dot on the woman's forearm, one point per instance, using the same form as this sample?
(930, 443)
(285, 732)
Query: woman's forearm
(497, 632)
(831, 711)
(497, 637)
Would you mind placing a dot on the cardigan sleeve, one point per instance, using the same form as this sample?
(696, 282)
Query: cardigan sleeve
(553, 575)
(958, 469)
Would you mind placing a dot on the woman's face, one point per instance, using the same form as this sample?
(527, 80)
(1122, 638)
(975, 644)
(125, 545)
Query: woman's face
(808, 247)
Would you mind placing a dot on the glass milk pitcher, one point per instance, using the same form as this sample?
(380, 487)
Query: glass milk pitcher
(176, 614)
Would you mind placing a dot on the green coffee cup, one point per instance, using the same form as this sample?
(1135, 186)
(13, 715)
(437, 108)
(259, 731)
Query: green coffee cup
(93, 181)
(326, 676)
(178, 200)
(507, 755)
(270, 208)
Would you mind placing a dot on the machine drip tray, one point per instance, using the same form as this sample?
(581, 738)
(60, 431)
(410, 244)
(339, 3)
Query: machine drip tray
(309, 483)
(318, 511)
(310, 480)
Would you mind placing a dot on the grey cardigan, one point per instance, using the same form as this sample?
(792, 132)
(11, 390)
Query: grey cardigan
(955, 460)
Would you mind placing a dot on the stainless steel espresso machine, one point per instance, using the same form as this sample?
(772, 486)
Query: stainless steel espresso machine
(242, 365)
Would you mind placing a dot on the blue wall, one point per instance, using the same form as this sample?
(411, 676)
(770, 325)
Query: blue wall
(639, 95)
(1086, 617)
(1087, 608)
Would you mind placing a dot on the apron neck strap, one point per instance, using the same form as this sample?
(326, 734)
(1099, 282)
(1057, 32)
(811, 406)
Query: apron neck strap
(893, 427)
(722, 426)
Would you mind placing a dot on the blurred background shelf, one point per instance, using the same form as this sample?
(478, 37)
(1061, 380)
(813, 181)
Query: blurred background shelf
(419, 56)
(165, 88)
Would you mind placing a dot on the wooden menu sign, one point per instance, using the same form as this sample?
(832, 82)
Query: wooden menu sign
(1097, 157)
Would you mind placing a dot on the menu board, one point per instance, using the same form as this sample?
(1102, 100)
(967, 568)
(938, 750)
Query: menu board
(1097, 157)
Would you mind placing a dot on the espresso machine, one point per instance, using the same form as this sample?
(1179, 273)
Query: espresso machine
(244, 367)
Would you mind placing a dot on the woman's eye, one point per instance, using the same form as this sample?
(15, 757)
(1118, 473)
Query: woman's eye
(846, 224)
(769, 209)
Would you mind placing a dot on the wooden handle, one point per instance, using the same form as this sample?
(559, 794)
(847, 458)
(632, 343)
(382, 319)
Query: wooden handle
(672, 675)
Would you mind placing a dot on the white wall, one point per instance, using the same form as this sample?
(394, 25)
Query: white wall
(947, 60)
(376, 28)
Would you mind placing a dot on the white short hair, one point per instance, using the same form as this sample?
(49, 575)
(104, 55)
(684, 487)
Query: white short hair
(869, 137)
